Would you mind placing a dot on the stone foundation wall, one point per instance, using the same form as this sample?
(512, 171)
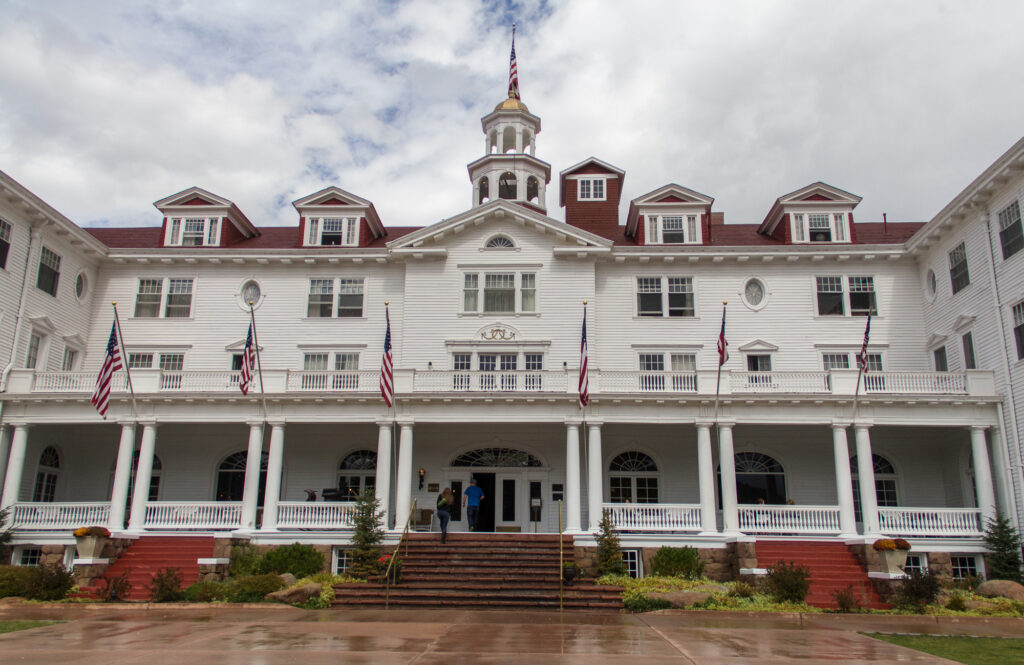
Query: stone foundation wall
(721, 565)
(89, 575)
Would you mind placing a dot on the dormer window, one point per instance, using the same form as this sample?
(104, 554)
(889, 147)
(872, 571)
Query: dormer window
(328, 231)
(673, 229)
(820, 227)
(591, 189)
(193, 232)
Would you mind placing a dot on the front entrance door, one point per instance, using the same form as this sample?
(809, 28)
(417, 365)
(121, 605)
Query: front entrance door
(485, 481)
(507, 512)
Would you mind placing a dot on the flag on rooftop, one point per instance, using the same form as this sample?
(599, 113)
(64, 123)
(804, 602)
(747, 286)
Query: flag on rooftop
(513, 70)
(111, 363)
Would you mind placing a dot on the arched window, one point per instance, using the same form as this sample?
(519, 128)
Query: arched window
(357, 473)
(500, 242)
(532, 190)
(507, 188)
(633, 478)
(503, 457)
(231, 477)
(45, 489)
(484, 189)
(885, 484)
(758, 478)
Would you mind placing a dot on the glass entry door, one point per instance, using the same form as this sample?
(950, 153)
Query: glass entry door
(508, 494)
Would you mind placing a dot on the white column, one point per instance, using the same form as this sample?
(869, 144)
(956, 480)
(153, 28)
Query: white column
(122, 476)
(383, 482)
(706, 477)
(403, 492)
(866, 478)
(5, 451)
(15, 466)
(595, 480)
(983, 475)
(572, 477)
(844, 482)
(727, 461)
(275, 462)
(143, 476)
(251, 489)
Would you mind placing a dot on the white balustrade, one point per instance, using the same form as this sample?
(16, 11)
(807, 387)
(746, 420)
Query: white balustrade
(654, 516)
(496, 381)
(931, 522)
(316, 515)
(334, 381)
(193, 515)
(58, 516)
(649, 382)
(74, 382)
(918, 383)
(789, 519)
(779, 382)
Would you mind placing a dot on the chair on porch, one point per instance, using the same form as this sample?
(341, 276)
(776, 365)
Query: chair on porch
(423, 520)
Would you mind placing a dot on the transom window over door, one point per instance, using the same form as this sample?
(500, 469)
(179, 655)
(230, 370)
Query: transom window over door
(497, 457)
(231, 477)
(633, 478)
(357, 473)
(759, 479)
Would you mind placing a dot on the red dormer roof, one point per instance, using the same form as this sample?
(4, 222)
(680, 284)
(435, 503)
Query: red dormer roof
(186, 201)
(590, 165)
(810, 196)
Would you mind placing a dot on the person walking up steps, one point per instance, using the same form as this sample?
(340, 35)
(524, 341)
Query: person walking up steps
(445, 501)
(471, 500)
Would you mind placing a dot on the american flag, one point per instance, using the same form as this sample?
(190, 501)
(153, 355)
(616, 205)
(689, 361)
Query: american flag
(387, 376)
(111, 363)
(584, 380)
(513, 71)
(723, 346)
(248, 362)
(862, 357)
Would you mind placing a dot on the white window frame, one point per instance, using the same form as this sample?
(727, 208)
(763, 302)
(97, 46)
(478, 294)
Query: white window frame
(587, 188)
(979, 568)
(204, 228)
(838, 227)
(338, 286)
(164, 296)
(673, 370)
(5, 242)
(348, 229)
(959, 267)
(51, 260)
(36, 350)
(156, 358)
(666, 283)
(473, 288)
(689, 223)
(848, 285)
(69, 362)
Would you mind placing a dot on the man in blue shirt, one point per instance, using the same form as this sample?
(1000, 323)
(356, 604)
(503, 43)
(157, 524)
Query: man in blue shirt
(471, 501)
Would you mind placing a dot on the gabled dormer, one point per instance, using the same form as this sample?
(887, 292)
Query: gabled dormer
(197, 218)
(817, 213)
(590, 192)
(334, 217)
(670, 215)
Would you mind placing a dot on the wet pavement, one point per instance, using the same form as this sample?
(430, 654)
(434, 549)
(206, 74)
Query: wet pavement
(271, 635)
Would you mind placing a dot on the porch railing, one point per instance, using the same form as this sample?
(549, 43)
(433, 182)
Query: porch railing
(649, 382)
(74, 382)
(789, 519)
(315, 515)
(334, 381)
(57, 516)
(915, 383)
(213, 515)
(779, 382)
(934, 522)
(530, 381)
(654, 516)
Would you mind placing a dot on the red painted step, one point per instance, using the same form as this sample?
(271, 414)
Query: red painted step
(150, 554)
(833, 567)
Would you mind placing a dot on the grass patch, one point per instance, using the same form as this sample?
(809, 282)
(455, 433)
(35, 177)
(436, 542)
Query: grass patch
(12, 626)
(969, 650)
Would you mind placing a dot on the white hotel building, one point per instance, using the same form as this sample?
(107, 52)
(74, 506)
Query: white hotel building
(486, 310)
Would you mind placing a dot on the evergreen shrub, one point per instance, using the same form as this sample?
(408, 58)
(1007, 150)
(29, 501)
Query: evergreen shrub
(253, 588)
(916, 591)
(297, 559)
(609, 556)
(677, 562)
(206, 592)
(165, 586)
(788, 583)
(1004, 542)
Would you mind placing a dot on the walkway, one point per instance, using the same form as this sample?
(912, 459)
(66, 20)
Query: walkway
(98, 634)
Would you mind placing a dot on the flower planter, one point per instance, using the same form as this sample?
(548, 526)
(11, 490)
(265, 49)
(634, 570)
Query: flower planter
(893, 561)
(90, 547)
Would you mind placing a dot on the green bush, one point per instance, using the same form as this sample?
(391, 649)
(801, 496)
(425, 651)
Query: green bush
(677, 562)
(13, 581)
(115, 588)
(253, 588)
(1004, 542)
(244, 558)
(166, 586)
(788, 583)
(916, 591)
(637, 601)
(742, 589)
(367, 534)
(205, 592)
(956, 602)
(299, 560)
(609, 556)
(846, 599)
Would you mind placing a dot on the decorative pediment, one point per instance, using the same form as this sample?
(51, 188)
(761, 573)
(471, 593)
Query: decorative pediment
(816, 196)
(673, 193)
(499, 332)
(758, 346)
(819, 191)
(593, 166)
(43, 324)
(336, 201)
(936, 340)
(331, 196)
(75, 341)
(963, 321)
(198, 201)
(193, 196)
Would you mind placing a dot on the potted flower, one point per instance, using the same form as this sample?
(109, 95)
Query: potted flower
(570, 572)
(395, 572)
(894, 554)
(90, 541)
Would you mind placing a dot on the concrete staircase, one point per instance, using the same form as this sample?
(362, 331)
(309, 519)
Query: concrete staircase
(149, 554)
(482, 570)
(833, 566)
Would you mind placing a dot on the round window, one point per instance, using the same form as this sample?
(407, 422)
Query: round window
(929, 281)
(251, 292)
(754, 293)
(80, 285)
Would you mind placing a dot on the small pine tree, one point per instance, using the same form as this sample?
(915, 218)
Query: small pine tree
(609, 556)
(1004, 542)
(367, 535)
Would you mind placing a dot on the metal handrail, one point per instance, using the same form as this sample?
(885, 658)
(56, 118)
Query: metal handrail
(561, 564)
(395, 556)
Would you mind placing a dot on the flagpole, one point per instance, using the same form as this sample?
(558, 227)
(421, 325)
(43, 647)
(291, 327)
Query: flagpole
(127, 373)
(259, 362)
(862, 363)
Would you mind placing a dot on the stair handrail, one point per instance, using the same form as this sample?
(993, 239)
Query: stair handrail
(561, 565)
(395, 556)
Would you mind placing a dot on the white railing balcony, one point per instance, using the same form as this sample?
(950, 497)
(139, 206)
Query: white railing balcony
(213, 515)
(59, 516)
(316, 515)
(74, 382)
(931, 522)
(654, 516)
(916, 383)
(779, 382)
(528, 381)
(649, 382)
(324, 381)
(789, 519)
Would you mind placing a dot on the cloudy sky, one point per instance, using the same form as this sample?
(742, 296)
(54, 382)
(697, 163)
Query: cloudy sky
(108, 106)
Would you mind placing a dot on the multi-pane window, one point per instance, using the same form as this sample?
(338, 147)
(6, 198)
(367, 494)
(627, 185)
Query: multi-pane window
(29, 556)
(70, 360)
(350, 297)
(633, 478)
(528, 291)
(147, 301)
(591, 189)
(140, 360)
(672, 229)
(820, 227)
(916, 563)
(179, 299)
(149, 298)
(862, 296)
(830, 296)
(759, 364)
(534, 363)
(634, 563)
(332, 231)
(321, 298)
(835, 361)
(461, 362)
(5, 242)
(502, 292)
(172, 362)
(885, 484)
(35, 340)
(49, 272)
(964, 566)
(657, 295)
(45, 489)
(829, 292)
(193, 232)
(941, 361)
(342, 560)
(968, 344)
(1011, 237)
(1018, 328)
(958, 275)
(681, 367)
